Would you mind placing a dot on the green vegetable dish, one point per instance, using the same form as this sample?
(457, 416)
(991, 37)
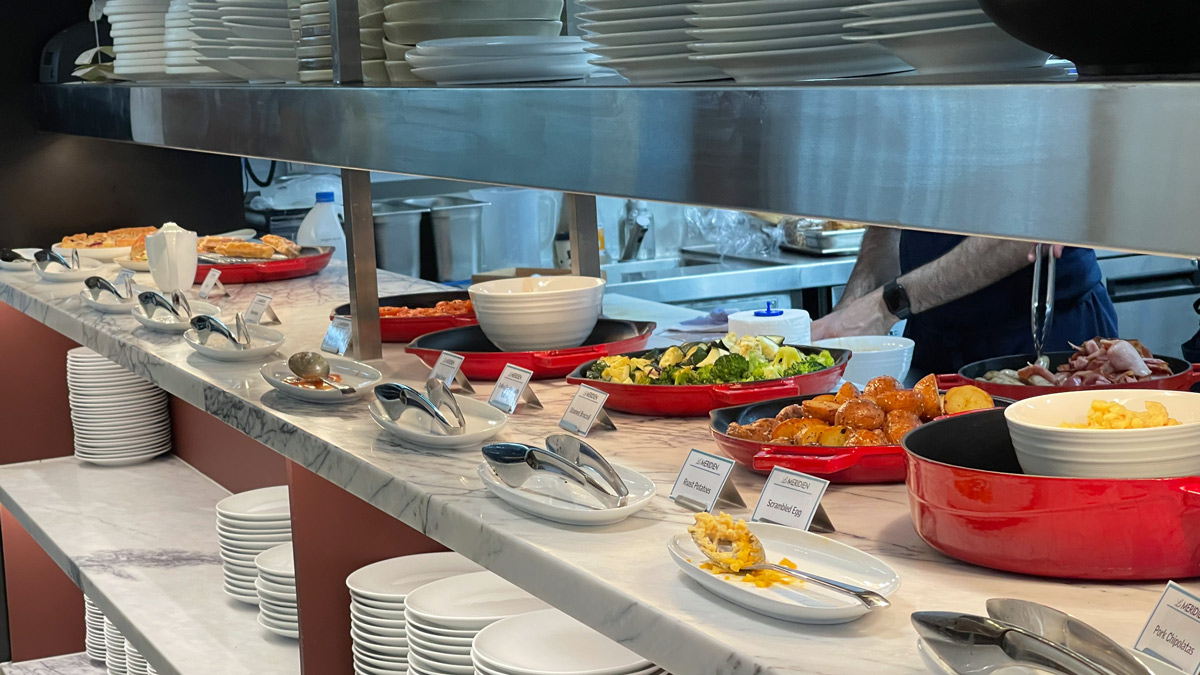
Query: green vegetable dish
(731, 359)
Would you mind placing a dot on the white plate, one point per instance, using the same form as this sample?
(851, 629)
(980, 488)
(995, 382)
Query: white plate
(904, 24)
(383, 645)
(274, 591)
(223, 527)
(758, 33)
(286, 69)
(417, 59)
(744, 7)
(768, 45)
(279, 628)
(261, 505)
(963, 49)
(911, 7)
(564, 646)
(419, 666)
(636, 25)
(624, 14)
(391, 665)
(122, 461)
(767, 18)
(382, 631)
(59, 274)
(440, 642)
(649, 37)
(166, 322)
(277, 560)
(627, 4)
(435, 10)
(634, 51)
(414, 426)
(265, 524)
(497, 47)
(800, 602)
(663, 69)
(108, 303)
(501, 71)
(793, 65)
(358, 614)
(135, 265)
(265, 341)
(391, 580)
(469, 601)
(354, 374)
(553, 498)
(412, 32)
(359, 608)
(256, 32)
(439, 657)
(250, 541)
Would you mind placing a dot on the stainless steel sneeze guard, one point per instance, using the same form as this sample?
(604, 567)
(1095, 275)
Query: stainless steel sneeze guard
(1088, 163)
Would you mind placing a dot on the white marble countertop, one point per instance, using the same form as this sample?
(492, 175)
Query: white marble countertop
(71, 664)
(618, 579)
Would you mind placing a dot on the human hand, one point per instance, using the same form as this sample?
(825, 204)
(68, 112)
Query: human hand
(1056, 249)
(867, 315)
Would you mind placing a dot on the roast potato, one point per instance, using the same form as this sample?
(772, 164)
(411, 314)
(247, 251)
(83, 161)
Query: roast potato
(810, 435)
(899, 423)
(826, 411)
(793, 427)
(860, 414)
(866, 437)
(834, 437)
(847, 392)
(880, 385)
(966, 398)
(901, 399)
(931, 400)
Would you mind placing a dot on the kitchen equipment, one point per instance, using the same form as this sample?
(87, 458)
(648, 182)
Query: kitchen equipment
(1183, 376)
(700, 399)
(517, 464)
(313, 366)
(456, 234)
(874, 355)
(247, 271)
(394, 398)
(358, 376)
(59, 54)
(484, 360)
(989, 638)
(517, 225)
(636, 230)
(1042, 316)
(538, 313)
(171, 253)
(1044, 448)
(965, 486)
(407, 329)
(398, 237)
(1064, 629)
(1107, 38)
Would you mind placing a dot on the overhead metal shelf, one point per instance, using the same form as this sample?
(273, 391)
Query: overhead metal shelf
(1113, 165)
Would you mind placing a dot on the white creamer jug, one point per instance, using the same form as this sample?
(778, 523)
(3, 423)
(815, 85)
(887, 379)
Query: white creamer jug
(172, 255)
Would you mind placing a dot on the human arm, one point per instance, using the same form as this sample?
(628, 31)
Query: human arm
(971, 266)
(878, 263)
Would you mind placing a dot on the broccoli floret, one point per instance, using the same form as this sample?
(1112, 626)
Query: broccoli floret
(731, 368)
(704, 375)
(686, 376)
(596, 371)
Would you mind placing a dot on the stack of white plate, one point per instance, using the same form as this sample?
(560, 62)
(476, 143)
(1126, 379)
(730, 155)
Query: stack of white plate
(94, 641)
(412, 22)
(134, 663)
(138, 32)
(114, 644)
(943, 36)
(314, 45)
(644, 40)
(377, 602)
(443, 617)
(779, 41)
(249, 523)
(248, 39)
(565, 647)
(276, 586)
(500, 60)
(118, 417)
(180, 46)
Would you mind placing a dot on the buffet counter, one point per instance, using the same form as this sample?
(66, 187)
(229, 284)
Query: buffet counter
(617, 579)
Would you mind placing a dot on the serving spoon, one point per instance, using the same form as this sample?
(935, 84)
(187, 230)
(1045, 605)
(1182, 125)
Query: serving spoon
(758, 556)
(312, 366)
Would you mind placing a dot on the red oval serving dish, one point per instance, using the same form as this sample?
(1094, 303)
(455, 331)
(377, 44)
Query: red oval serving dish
(970, 500)
(698, 400)
(483, 360)
(409, 328)
(311, 261)
(1183, 376)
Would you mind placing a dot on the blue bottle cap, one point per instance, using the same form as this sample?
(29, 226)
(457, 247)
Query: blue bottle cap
(768, 311)
(323, 197)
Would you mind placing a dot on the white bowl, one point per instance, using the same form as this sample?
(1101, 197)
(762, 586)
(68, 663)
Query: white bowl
(265, 341)
(536, 313)
(417, 427)
(1045, 449)
(873, 355)
(88, 267)
(354, 374)
(166, 322)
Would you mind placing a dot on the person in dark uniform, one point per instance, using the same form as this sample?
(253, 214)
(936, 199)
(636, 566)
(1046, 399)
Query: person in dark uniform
(965, 298)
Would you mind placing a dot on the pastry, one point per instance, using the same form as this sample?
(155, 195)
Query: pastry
(138, 250)
(246, 249)
(282, 245)
(210, 244)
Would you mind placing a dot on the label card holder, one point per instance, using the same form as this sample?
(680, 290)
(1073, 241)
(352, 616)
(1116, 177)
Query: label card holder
(337, 336)
(793, 499)
(448, 369)
(586, 410)
(124, 281)
(1173, 631)
(211, 283)
(260, 309)
(512, 388)
(703, 482)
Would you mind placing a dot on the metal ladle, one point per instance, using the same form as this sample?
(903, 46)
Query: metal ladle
(312, 366)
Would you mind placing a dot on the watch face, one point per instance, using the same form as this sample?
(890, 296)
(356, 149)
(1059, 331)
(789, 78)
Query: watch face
(896, 299)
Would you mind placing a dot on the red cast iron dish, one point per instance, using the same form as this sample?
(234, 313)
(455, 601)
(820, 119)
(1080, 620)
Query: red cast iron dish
(484, 361)
(970, 500)
(697, 400)
(849, 464)
(1183, 376)
(311, 261)
(407, 329)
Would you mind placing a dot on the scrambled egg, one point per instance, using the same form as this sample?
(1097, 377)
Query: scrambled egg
(741, 550)
(1112, 415)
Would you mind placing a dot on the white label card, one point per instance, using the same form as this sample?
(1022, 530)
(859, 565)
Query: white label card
(585, 409)
(447, 367)
(337, 337)
(1173, 631)
(790, 498)
(122, 276)
(511, 389)
(258, 308)
(210, 281)
(703, 481)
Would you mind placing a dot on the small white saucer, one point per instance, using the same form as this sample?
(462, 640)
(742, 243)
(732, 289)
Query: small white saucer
(265, 341)
(166, 322)
(416, 426)
(548, 496)
(354, 374)
(135, 265)
(59, 274)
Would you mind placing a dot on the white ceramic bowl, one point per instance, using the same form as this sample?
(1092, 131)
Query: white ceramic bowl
(536, 313)
(354, 374)
(266, 341)
(88, 267)
(873, 355)
(166, 322)
(1045, 449)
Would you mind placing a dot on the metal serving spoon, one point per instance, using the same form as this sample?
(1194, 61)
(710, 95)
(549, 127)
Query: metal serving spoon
(993, 643)
(11, 256)
(46, 257)
(312, 366)
(205, 326)
(758, 554)
(97, 285)
(516, 463)
(396, 398)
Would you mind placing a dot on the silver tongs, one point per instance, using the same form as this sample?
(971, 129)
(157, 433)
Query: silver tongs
(178, 305)
(206, 326)
(967, 642)
(45, 257)
(1063, 629)
(396, 398)
(516, 463)
(1042, 317)
(10, 256)
(96, 286)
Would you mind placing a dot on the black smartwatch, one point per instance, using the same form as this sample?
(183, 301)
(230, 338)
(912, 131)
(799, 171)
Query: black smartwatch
(896, 300)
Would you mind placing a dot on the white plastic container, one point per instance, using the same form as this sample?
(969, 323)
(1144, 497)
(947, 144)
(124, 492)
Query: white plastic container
(321, 227)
